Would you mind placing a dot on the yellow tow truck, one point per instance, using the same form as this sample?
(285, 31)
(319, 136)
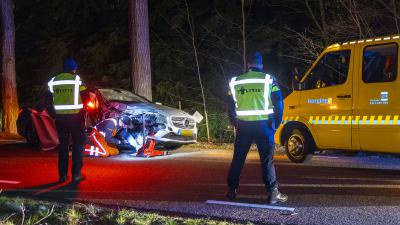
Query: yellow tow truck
(348, 99)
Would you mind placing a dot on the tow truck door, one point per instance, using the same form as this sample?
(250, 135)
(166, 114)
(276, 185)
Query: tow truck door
(378, 97)
(326, 98)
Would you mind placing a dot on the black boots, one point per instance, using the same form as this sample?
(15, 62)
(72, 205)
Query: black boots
(231, 195)
(275, 196)
(78, 179)
(62, 179)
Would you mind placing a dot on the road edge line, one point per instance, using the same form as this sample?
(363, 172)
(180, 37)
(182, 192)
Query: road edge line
(251, 205)
(9, 182)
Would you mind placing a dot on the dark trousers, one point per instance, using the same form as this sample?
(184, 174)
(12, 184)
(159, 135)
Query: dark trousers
(70, 125)
(263, 135)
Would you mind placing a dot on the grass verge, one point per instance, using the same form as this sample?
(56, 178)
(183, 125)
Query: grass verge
(208, 146)
(29, 212)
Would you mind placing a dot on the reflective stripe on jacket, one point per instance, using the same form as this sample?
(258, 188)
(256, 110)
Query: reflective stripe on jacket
(252, 95)
(65, 88)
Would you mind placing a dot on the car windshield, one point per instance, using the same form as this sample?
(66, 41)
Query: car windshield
(121, 95)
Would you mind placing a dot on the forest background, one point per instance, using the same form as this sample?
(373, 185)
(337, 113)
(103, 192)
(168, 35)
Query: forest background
(289, 33)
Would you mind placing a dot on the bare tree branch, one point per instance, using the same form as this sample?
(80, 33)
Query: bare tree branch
(198, 69)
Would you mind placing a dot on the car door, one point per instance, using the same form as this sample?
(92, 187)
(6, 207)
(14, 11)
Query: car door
(326, 98)
(378, 102)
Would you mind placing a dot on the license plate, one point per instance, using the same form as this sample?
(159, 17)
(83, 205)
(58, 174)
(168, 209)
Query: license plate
(186, 133)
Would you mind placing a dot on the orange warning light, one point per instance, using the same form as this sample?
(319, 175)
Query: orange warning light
(90, 105)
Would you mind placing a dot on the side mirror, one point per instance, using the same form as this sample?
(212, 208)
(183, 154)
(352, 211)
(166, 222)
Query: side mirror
(296, 85)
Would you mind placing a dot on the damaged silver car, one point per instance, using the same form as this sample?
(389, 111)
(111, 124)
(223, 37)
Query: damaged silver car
(169, 127)
(122, 117)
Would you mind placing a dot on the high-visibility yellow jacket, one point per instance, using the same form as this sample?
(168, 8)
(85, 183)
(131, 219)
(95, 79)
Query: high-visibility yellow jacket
(66, 88)
(251, 93)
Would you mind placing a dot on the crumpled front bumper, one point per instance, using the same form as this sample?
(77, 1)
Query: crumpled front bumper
(176, 136)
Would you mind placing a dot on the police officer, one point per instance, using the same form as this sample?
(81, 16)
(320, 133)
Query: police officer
(67, 89)
(255, 109)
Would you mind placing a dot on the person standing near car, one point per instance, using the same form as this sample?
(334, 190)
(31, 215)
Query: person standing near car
(255, 109)
(67, 89)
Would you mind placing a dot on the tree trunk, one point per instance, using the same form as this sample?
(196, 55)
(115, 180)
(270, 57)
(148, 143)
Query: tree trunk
(323, 20)
(244, 37)
(140, 66)
(9, 84)
(395, 16)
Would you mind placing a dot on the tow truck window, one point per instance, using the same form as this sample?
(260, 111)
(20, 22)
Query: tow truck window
(380, 63)
(331, 70)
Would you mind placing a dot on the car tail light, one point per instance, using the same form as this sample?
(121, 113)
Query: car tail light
(90, 105)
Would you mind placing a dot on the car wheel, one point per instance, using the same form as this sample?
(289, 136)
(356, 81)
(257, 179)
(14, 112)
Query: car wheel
(299, 145)
(26, 128)
(172, 147)
(31, 135)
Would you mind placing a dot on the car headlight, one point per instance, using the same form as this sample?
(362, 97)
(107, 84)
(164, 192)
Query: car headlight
(183, 122)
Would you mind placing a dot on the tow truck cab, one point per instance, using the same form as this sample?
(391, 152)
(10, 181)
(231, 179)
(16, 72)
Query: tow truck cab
(348, 99)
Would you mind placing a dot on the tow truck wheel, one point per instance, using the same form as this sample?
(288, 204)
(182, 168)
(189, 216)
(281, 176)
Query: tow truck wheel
(299, 145)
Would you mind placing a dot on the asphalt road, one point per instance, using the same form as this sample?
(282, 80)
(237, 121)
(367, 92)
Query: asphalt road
(327, 190)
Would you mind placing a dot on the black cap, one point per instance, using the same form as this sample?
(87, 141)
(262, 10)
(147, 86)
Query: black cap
(255, 58)
(70, 65)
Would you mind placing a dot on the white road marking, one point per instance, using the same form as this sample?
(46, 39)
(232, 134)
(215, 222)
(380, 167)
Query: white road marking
(175, 156)
(9, 182)
(355, 179)
(16, 141)
(251, 205)
(326, 157)
(386, 186)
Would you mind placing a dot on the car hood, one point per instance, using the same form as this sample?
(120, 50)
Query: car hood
(150, 107)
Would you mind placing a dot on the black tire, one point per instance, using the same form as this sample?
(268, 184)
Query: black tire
(299, 145)
(31, 135)
(171, 147)
(26, 128)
